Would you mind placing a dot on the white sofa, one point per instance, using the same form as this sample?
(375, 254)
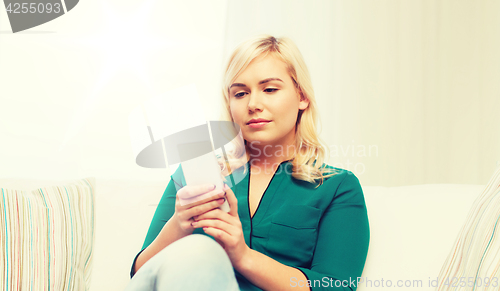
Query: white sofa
(413, 229)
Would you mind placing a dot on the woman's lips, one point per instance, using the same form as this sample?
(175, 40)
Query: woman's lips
(258, 124)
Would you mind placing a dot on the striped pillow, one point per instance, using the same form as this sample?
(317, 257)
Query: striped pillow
(47, 237)
(474, 261)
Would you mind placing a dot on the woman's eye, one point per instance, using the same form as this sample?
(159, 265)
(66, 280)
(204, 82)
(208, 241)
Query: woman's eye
(270, 90)
(239, 94)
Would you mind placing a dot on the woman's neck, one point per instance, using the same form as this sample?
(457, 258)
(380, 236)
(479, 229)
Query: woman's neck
(266, 158)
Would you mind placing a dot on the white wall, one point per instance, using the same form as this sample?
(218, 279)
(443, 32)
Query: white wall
(408, 90)
(68, 86)
(415, 80)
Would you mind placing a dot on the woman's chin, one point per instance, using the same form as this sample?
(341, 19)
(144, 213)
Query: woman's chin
(259, 142)
(266, 148)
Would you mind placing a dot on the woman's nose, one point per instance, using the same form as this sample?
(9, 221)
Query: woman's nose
(254, 102)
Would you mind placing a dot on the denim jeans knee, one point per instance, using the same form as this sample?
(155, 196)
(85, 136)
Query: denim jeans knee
(195, 262)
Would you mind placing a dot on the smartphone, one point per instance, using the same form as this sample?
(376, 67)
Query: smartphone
(200, 166)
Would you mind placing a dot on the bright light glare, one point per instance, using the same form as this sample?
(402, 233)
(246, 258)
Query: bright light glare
(124, 44)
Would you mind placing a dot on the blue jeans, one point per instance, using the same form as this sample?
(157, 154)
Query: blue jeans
(195, 262)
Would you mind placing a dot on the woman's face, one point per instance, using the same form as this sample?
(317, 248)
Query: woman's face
(265, 90)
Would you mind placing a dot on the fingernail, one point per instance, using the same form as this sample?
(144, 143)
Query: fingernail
(221, 201)
(211, 187)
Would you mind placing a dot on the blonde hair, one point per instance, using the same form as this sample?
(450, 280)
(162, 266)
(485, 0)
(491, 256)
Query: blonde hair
(309, 152)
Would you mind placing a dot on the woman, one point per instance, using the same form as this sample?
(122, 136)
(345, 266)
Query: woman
(295, 223)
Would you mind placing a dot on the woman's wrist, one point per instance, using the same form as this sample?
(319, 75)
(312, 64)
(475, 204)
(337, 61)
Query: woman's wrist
(246, 261)
(181, 232)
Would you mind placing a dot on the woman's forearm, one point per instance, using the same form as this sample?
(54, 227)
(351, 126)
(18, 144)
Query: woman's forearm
(170, 233)
(269, 274)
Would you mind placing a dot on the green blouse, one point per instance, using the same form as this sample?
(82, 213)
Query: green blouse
(323, 232)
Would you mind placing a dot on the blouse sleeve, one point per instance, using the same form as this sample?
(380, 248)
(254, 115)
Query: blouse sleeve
(164, 211)
(343, 239)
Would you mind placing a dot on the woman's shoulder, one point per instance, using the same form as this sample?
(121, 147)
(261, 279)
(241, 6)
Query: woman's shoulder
(336, 175)
(332, 177)
(345, 183)
(343, 187)
(330, 173)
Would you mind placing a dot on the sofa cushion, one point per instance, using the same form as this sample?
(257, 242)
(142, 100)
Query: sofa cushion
(46, 234)
(474, 259)
(411, 231)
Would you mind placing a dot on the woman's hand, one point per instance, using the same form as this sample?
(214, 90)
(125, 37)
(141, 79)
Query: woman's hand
(184, 213)
(226, 229)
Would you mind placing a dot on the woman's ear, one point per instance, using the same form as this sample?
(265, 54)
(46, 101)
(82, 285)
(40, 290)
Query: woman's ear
(304, 102)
